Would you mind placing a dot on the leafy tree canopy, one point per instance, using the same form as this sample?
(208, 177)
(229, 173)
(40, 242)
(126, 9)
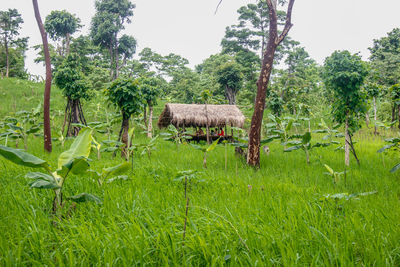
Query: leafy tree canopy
(344, 74)
(61, 23)
(70, 78)
(126, 95)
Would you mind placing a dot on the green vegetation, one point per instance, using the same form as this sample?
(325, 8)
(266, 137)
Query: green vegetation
(286, 213)
(169, 202)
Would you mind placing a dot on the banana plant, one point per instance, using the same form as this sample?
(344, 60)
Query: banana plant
(205, 150)
(175, 136)
(304, 143)
(113, 173)
(330, 132)
(393, 145)
(147, 147)
(71, 161)
(335, 175)
(19, 130)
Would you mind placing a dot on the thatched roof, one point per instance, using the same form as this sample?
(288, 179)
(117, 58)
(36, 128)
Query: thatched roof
(193, 115)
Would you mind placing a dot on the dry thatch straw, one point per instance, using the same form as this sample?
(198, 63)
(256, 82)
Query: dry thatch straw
(194, 115)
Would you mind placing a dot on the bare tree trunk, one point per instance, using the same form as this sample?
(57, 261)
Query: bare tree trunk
(67, 43)
(150, 127)
(47, 90)
(374, 101)
(367, 119)
(7, 56)
(145, 116)
(393, 113)
(230, 95)
(116, 57)
(346, 142)
(74, 114)
(125, 130)
(111, 51)
(398, 114)
(253, 155)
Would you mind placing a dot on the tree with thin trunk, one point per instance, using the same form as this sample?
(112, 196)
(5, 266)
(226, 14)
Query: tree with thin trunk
(10, 22)
(373, 89)
(126, 95)
(344, 74)
(70, 79)
(47, 90)
(274, 39)
(230, 77)
(150, 88)
(61, 25)
(109, 20)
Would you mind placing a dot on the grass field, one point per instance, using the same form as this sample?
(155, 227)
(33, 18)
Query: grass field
(278, 215)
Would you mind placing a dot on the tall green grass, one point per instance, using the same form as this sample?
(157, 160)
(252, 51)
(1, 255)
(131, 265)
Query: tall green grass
(274, 216)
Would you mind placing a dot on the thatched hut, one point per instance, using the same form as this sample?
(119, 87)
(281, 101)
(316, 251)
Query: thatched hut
(194, 115)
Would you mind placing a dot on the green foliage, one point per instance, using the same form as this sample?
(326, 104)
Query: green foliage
(10, 24)
(126, 95)
(74, 160)
(344, 74)
(127, 46)
(230, 76)
(59, 24)
(385, 58)
(150, 88)
(71, 80)
(393, 144)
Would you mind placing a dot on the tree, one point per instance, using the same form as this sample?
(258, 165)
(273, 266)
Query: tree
(106, 24)
(373, 89)
(127, 47)
(126, 95)
(10, 22)
(150, 88)
(71, 80)
(385, 61)
(230, 78)
(61, 25)
(344, 74)
(274, 40)
(16, 60)
(47, 90)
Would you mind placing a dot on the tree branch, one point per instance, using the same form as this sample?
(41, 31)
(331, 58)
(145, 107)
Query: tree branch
(288, 24)
(216, 10)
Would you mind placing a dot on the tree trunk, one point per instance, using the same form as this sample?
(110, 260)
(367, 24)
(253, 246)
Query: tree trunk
(67, 43)
(346, 141)
(145, 116)
(116, 57)
(367, 119)
(230, 95)
(7, 56)
(374, 101)
(125, 130)
(47, 90)
(253, 155)
(74, 114)
(393, 113)
(398, 114)
(111, 51)
(150, 127)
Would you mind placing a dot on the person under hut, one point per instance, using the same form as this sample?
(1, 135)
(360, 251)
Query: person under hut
(199, 132)
(221, 132)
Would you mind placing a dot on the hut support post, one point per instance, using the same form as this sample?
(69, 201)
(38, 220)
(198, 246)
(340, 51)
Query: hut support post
(207, 126)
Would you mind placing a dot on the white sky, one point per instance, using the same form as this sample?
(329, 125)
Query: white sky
(190, 28)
